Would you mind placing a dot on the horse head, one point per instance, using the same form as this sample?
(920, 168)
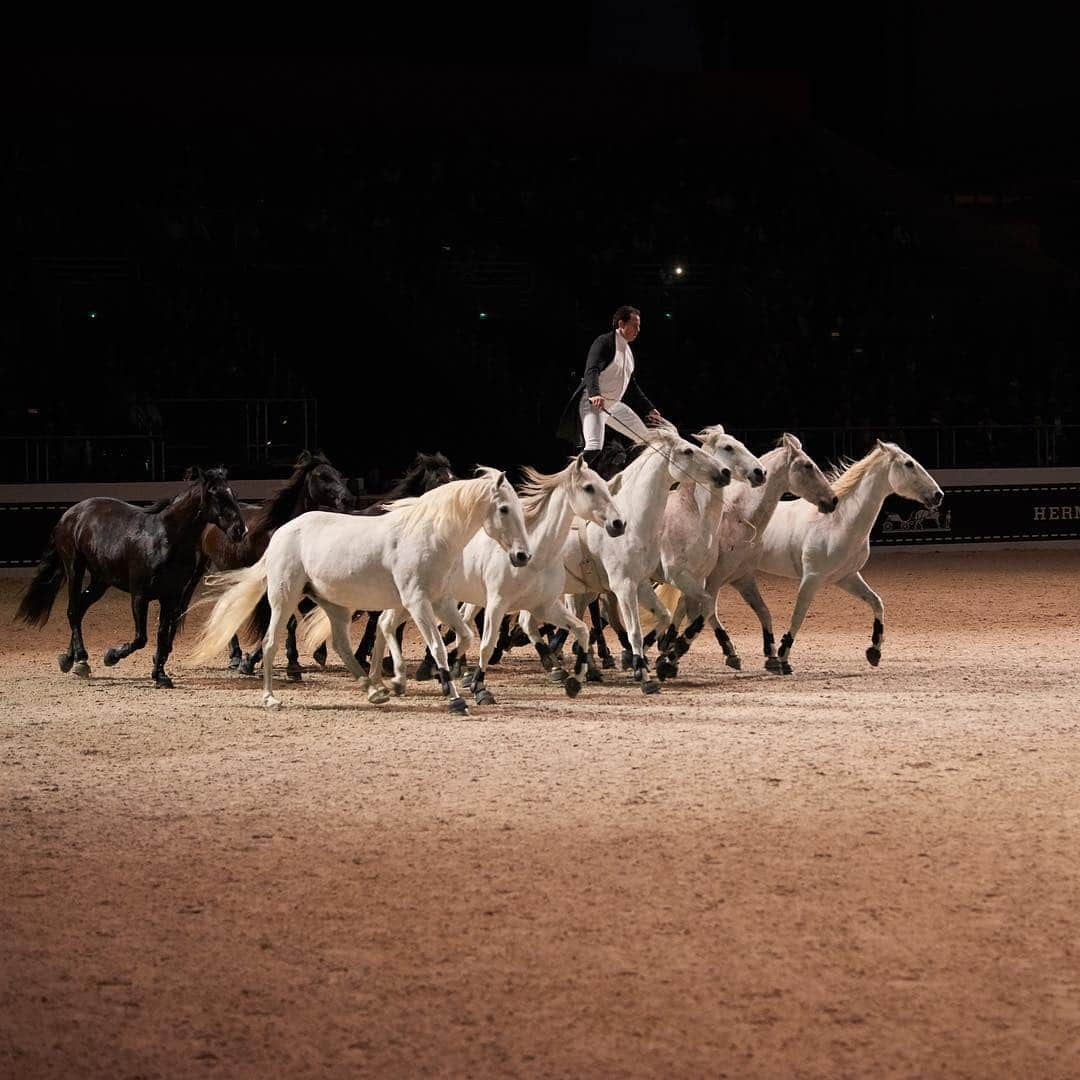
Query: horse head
(324, 486)
(908, 478)
(591, 498)
(218, 503)
(805, 479)
(732, 454)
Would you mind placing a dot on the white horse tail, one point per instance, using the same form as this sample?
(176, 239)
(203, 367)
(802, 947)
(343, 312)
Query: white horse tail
(313, 629)
(669, 596)
(245, 588)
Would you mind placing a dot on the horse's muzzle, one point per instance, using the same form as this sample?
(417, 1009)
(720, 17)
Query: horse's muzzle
(519, 558)
(757, 478)
(722, 478)
(616, 527)
(236, 531)
(934, 500)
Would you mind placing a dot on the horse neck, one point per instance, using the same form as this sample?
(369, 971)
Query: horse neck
(763, 501)
(183, 519)
(642, 504)
(858, 510)
(551, 529)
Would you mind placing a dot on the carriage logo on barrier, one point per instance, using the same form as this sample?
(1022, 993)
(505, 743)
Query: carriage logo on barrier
(919, 520)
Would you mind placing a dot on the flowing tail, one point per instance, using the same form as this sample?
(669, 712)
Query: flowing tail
(238, 605)
(37, 601)
(314, 629)
(669, 596)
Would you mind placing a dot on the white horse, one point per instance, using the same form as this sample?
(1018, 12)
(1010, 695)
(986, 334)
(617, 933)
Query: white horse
(346, 564)
(597, 563)
(735, 558)
(831, 549)
(483, 579)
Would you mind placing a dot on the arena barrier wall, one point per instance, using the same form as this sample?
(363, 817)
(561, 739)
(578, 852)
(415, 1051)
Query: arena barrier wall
(1017, 507)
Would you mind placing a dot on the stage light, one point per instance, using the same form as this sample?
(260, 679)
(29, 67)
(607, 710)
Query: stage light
(679, 271)
(668, 315)
(483, 315)
(91, 314)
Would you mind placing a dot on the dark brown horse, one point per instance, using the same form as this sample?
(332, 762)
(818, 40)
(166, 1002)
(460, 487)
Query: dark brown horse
(314, 485)
(152, 553)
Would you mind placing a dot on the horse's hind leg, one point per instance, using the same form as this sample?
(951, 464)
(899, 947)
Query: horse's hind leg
(294, 672)
(168, 617)
(140, 606)
(857, 587)
(283, 603)
(236, 654)
(427, 622)
(367, 640)
(747, 588)
(75, 573)
(392, 626)
(596, 635)
(88, 596)
(808, 589)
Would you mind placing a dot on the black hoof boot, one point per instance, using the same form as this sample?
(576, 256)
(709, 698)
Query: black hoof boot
(607, 662)
(518, 638)
(681, 646)
(294, 673)
(459, 706)
(162, 681)
(592, 675)
(65, 661)
(572, 686)
(873, 654)
(246, 666)
(112, 656)
(627, 659)
(496, 657)
(234, 661)
(772, 664)
(319, 655)
(785, 668)
(733, 662)
(650, 686)
(485, 697)
(665, 669)
(558, 675)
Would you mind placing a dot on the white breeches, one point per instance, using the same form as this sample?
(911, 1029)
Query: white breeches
(620, 417)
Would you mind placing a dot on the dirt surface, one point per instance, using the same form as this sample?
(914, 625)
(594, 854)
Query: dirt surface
(846, 872)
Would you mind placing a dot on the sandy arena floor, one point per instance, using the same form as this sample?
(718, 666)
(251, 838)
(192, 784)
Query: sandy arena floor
(848, 872)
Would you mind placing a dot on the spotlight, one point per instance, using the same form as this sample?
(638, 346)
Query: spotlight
(679, 271)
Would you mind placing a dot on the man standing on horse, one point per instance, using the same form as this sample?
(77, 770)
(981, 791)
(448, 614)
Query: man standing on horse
(598, 399)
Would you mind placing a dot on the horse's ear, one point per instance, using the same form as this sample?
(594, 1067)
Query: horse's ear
(579, 463)
(303, 459)
(501, 480)
(791, 442)
(615, 483)
(883, 446)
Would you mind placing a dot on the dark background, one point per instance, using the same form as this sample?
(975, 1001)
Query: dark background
(877, 220)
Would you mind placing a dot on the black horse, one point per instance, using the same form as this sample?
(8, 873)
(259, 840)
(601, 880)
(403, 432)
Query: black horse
(150, 552)
(314, 485)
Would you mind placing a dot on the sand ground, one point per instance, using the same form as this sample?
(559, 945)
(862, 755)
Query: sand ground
(847, 872)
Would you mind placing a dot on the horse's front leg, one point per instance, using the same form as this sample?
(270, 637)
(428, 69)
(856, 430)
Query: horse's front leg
(556, 614)
(808, 589)
(427, 622)
(698, 600)
(628, 595)
(140, 607)
(236, 654)
(747, 588)
(390, 622)
(667, 665)
(294, 672)
(491, 627)
(596, 636)
(857, 587)
(167, 618)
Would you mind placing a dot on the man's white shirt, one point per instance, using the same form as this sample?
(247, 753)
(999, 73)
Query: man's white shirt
(615, 378)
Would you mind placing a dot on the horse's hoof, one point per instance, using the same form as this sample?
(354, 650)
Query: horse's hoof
(398, 686)
(388, 665)
(485, 697)
(378, 695)
(572, 686)
(82, 669)
(873, 654)
(558, 675)
(271, 702)
(785, 668)
(547, 662)
(319, 656)
(424, 673)
(665, 669)
(773, 665)
(638, 674)
(112, 656)
(682, 646)
(294, 673)
(163, 682)
(518, 638)
(607, 662)
(733, 662)
(65, 662)
(234, 661)
(650, 686)
(627, 660)
(592, 675)
(467, 682)
(496, 657)
(459, 706)
(246, 666)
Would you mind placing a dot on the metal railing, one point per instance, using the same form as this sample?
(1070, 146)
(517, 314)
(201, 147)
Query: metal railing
(51, 458)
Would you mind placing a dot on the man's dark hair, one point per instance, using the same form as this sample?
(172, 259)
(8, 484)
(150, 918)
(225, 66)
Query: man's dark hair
(623, 315)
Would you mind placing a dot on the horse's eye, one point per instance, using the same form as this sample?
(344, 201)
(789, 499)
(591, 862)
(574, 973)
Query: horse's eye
(687, 452)
(504, 509)
(729, 448)
(909, 464)
(588, 489)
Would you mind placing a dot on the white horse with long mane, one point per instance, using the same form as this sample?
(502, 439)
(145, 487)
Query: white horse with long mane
(735, 558)
(597, 563)
(831, 549)
(401, 560)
